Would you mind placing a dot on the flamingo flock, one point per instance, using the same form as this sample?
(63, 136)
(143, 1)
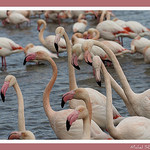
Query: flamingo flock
(91, 114)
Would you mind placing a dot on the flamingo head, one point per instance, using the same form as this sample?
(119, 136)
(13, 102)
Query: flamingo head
(39, 23)
(40, 55)
(86, 47)
(76, 52)
(10, 80)
(79, 93)
(97, 62)
(21, 135)
(60, 31)
(80, 112)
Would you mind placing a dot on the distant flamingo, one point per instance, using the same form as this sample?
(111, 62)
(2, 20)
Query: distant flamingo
(138, 44)
(11, 81)
(3, 16)
(57, 119)
(8, 47)
(80, 25)
(131, 127)
(48, 42)
(16, 18)
(134, 28)
(84, 113)
(139, 101)
(98, 100)
(109, 30)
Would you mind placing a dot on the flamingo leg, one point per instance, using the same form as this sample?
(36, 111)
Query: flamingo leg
(5, 62)
(2, 61)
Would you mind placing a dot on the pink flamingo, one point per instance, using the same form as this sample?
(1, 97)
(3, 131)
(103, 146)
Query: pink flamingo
(8, 47)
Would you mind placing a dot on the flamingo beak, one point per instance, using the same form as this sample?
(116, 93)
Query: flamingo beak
(3, 97)
(29, 57)
(57, 39)
(14, 135)
(75, 62)
(62, 103)
(87, 58)
(38, 28)
(68, 125)
(4, 89)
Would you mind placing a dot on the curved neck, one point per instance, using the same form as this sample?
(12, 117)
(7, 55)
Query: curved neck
(72, 78)
(41, 38)
(109, 111)
(102, 16)
(21, 119)
(97, 35)
(125, 85)
(46, 100)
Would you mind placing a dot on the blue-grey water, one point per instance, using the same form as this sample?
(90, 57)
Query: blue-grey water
(33, 78)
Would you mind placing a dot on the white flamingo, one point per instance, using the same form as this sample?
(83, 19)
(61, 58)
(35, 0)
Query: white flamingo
(16, 18)
(138, 44)
(10, 80)
(131, 127)
(8, 47)
(80, 25)
(98, 100)
(109, 30)
(48, 42)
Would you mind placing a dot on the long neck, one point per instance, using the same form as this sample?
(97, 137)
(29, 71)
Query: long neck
(46, 101)
(21, 119)
(121, 93)
(109, 111)
(125, 85)
(102, 16)
(41, 38)
(86, 128)
(72, 78)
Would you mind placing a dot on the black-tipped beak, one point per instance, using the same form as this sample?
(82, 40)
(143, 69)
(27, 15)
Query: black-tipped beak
(99, 83)
(68, 125)
(89, 63)
(56, 46)
(24, 61)
(3, 97)
(77, 67)
(62, 103)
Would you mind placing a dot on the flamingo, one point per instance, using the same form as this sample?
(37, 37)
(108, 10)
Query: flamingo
(109, 30)
(3, 16)
(30, 48)
(8, 47)
(48, 42)
(82, 112)
(16, 18)
(133, 27)
(114, 46)
(138, 44)
(10, 80)
(134, 127)
(98, 100)
(139, 101)
(57, 119)
(80, 25)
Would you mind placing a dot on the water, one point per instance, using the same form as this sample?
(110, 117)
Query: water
(32, 78)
